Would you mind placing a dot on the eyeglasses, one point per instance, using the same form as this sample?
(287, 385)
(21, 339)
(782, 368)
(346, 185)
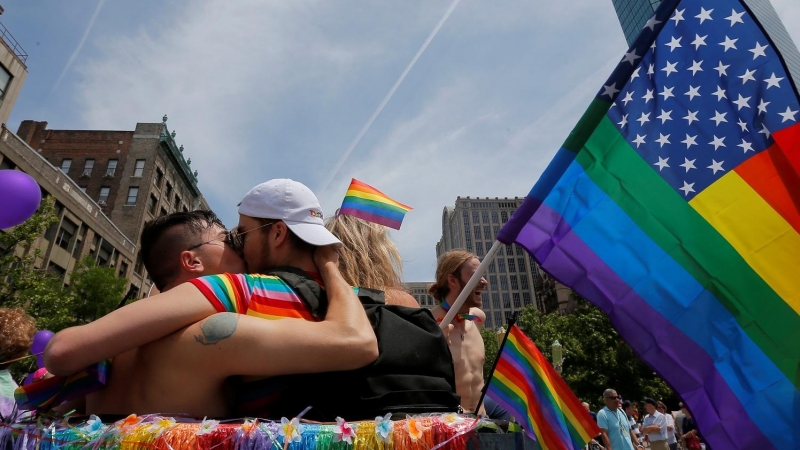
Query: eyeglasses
(613, 398)
(223, 239)
(235, 238)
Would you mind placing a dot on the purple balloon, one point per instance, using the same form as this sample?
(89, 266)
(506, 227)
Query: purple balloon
(20, 197)
(40, 361)
(40, 340)
(28, 379)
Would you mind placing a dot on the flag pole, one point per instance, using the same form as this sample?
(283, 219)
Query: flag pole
(462, 297)
(511, 321)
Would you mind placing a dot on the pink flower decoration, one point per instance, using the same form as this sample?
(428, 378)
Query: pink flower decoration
(343, 431)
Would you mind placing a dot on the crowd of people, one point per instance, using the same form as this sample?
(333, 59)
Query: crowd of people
(283, 293)
(284, 309)
(624, 427)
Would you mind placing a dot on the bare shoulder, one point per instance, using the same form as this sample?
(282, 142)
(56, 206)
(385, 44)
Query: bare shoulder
(400, 297)
(480, 314)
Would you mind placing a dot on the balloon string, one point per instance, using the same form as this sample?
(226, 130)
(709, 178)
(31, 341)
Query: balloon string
(20, 358)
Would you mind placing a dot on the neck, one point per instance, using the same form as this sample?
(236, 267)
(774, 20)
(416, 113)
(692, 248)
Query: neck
(614, 408)
(304, 261)
(448, 303)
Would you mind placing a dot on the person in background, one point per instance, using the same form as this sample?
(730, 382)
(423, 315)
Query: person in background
(453, 271)
(671, 440)
(630, 412)
(16, 336)
(369, 258)
(690, 438)
(654, 426)
(614, 424)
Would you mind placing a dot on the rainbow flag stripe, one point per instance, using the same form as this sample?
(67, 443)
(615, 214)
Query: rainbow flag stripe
(678, 214)
(51, 392)
(367, 203)
(527, 386)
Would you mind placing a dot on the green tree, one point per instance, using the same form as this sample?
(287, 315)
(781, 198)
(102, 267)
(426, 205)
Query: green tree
(491, 346)
(596, 357)
(95, 291)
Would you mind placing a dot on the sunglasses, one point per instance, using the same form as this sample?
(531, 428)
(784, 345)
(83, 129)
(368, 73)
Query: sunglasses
(616, 397)
(235, 238)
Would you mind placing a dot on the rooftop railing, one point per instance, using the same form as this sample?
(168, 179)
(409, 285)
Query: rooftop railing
(13, 44)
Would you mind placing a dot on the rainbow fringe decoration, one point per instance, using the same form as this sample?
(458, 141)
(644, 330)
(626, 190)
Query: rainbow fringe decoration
(367, 203)
(432, 432)
(527, 386)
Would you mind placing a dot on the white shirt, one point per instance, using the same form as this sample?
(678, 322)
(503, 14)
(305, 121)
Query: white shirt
(670, 433)
(656, 419)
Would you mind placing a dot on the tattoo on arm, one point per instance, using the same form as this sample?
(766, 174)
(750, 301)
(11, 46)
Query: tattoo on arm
(217, 327)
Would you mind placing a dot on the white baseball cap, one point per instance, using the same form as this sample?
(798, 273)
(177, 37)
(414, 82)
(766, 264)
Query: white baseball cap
(294, 204)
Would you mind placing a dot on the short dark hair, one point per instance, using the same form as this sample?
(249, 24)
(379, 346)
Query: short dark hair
(170, 235)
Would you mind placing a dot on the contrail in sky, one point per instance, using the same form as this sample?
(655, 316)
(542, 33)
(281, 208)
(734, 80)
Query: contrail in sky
(80, 45)
(388, 96)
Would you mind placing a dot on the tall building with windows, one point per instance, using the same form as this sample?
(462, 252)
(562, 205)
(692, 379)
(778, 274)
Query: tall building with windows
(419, 290)
(129, 177)
(633, 14)
(515, 279)
(13, 72)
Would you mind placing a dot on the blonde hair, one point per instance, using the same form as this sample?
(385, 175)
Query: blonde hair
(449, 264)
(16, 334)
(368, 257)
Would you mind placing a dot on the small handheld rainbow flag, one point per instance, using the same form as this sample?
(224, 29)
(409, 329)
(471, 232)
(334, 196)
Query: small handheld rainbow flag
(366, 202)
(526, 385)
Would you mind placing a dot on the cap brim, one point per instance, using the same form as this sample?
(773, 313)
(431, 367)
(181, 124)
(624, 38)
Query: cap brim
(313, 233)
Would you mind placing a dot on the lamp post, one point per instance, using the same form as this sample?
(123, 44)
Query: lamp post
(501, 333)
(557, 356)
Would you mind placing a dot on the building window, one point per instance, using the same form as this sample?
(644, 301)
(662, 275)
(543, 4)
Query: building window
(526, 298)
(511, 266)
(524, 282)
(477, 229)
(493, 281)
(504, 216)
(476, 217)
(159, 178)
(501, 265)
(479, 249)
(104, 254)
(169, 190)
(88, 165)
(133, 192)
(123, 269)
(517, 304)
(163, 212)
(177, 202)
(495, 300)
(66, 163)
(5, 80)
(465, 215)
(82, 188)
(487, 233)
(151, 204)
(138, 169)
(514, 284)
(65, 234)
(112, 168)
(495, 217)
(500, 251)
(485, 215)
(503, 283)
(506, 302)
(103, 195)
(137, 268)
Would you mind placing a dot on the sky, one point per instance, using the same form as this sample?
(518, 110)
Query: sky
(274, 89)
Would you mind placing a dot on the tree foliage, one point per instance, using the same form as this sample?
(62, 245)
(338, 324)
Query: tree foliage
(93, 292)
(596, 357)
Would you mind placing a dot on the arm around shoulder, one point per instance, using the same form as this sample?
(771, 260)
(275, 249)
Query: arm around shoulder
(138, 323)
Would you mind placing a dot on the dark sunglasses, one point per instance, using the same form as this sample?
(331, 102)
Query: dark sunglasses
(616, 397)
(235, 238)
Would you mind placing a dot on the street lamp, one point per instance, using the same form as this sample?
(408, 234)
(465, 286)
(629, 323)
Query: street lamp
(558, 356)
(501, 333)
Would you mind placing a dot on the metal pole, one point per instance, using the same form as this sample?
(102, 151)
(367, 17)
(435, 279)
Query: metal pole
(462, 297)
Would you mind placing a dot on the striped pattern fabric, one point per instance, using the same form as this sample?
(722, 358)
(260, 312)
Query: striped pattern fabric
(367, 203)
(51, 392)
(527, 386)
(264, 296)
(679, 217)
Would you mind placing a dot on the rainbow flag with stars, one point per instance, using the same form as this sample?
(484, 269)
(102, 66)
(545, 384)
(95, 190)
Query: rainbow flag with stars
(528, 387)
(674, 206)
(367, 203)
